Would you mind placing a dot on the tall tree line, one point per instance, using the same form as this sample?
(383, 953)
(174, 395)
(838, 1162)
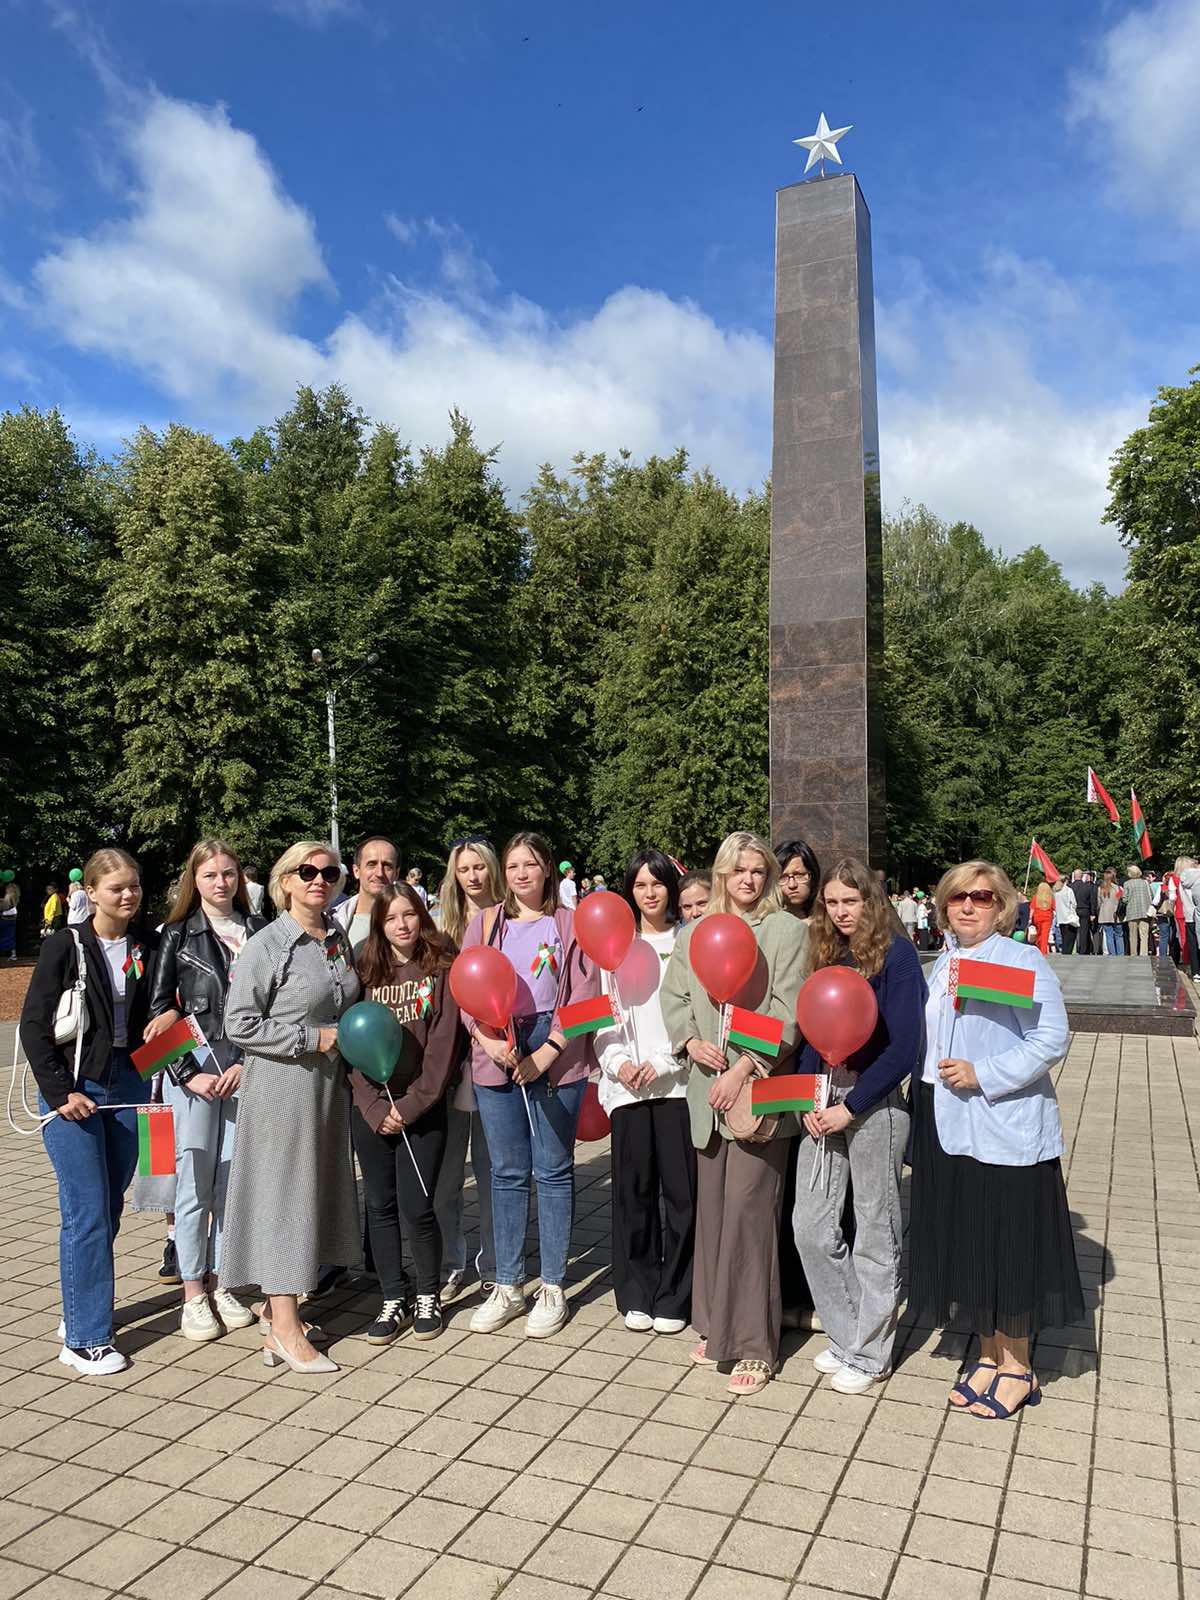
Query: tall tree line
(592, 661)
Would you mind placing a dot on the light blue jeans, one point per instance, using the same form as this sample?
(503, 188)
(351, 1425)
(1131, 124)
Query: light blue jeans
(545, 1157)
(463, 1129)
(204, 1134)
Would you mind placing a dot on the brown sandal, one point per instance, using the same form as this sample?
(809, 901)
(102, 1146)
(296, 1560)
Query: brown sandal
(759, 1373)
(699, 1357)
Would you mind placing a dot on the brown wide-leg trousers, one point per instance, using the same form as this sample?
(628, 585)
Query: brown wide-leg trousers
(735, 1288)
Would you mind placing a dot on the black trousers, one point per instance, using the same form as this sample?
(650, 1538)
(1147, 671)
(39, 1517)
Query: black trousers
(1066, 938)
(1084, 947)
(394, 1197)
(653, 1160)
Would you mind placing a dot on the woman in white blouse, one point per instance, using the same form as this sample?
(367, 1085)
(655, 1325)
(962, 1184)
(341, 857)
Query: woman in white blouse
(643, 1087)
(990, 1236)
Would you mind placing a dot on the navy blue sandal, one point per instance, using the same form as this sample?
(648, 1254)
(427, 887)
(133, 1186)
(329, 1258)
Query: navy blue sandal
(963, 1386)
(999, 1412)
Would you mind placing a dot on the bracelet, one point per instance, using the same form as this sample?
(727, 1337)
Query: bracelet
(552, 1044)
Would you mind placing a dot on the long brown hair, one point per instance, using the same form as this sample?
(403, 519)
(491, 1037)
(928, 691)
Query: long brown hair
(187, 896)
(536, 845)
(871, 939)
(432, 952)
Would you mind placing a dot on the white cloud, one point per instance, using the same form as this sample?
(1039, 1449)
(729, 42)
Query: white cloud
(22, 177)
(1140, 100)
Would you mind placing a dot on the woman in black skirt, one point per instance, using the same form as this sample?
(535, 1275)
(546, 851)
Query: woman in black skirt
(990, 1236)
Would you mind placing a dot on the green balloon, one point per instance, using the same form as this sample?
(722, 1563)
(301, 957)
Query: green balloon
(75, 875)
(1019, 936)
(7, 875)
(371, 1038)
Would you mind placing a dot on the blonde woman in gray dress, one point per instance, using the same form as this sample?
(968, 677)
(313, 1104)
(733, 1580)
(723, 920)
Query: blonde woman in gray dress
(291, 1201)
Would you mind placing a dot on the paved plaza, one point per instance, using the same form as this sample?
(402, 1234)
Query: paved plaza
(600, 1462)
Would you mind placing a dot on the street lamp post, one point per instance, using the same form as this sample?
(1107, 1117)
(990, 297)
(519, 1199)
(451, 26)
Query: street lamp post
(331, 694)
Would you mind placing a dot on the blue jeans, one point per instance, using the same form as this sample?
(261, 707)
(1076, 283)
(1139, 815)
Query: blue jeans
(1164, 938)
(204, 1134)
(1112, 939)
(517, 1157)
(94, 1162)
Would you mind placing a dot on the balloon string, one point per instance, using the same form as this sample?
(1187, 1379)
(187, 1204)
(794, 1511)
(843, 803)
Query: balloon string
(511, 1035)
(411, 1154)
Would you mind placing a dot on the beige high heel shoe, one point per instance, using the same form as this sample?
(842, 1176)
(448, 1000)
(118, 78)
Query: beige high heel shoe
(275, 1355)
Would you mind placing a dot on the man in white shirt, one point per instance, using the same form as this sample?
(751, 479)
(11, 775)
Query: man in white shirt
(375, 863)
(255, 891)
(1066, 915)
(79, 907)
(906, 910)
(567, 892)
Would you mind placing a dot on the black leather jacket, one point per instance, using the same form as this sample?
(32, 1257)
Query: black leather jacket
(192, 977)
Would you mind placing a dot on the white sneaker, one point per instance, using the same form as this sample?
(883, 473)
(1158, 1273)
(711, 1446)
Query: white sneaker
(826, 1361)
(847, 1381)
(669, 1324)
(99, 1361)
(638, 1321)
(231, 1310)
(548, 1314)
(504, 1303)
(197, 1320)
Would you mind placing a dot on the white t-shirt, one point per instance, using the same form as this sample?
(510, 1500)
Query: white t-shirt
(115, 953)
(78, 907)
(255, 893)
(232, 933)
(568, 893)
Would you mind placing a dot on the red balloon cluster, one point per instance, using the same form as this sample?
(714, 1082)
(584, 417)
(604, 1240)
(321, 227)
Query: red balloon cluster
(836, 1011)
(723, 953)
(484, 983)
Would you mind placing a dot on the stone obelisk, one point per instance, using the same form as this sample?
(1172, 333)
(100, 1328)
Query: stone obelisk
(827, 771)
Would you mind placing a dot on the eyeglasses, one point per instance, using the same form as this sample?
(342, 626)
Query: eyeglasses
(306, 872)
(796, 877)
(981, 897)
(471, 838)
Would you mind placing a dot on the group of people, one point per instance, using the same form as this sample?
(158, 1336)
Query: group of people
(1138, 916)
(736, 1230)
(918, 917)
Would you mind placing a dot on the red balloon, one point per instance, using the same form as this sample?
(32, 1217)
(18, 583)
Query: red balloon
(604, 927)
(638, 977)
(484, 983)
(593, 1119)
(723, 953)
(836, 1011)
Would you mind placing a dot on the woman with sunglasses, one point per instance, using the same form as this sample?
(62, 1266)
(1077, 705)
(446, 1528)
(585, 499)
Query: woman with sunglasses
(470, 885)
(291, 1203)
(990, 1233)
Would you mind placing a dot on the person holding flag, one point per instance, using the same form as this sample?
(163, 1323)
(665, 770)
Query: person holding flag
(990, 1232)
(643, 1088)
(94, 1151)
(205, 931)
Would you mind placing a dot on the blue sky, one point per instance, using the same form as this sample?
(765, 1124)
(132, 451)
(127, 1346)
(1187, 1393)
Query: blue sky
(559, 218)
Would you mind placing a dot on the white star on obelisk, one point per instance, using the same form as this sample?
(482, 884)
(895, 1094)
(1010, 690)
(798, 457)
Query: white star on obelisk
(822, 145)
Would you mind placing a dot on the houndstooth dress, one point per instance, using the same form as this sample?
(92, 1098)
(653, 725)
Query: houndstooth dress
(291, 1203)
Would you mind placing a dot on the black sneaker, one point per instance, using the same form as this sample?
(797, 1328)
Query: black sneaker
(394, 1316)
(169, 1271)
(96, 1361)
(427, 1322)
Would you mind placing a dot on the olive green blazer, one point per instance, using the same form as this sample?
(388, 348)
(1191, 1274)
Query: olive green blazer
(689, 1013)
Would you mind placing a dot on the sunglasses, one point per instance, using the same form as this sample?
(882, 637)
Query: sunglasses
(981, 897)
(307, 872)
(471, 838)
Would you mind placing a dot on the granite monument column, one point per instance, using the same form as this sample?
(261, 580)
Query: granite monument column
(827, 774)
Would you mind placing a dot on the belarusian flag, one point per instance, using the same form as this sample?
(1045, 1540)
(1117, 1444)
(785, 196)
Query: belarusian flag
(990, 980)
(1140, 836)
(173, 1044)
(755, 1032)
(587, 1016)
(1036, 853)
(156, 1141)
(786, 1091)
(1098, 795)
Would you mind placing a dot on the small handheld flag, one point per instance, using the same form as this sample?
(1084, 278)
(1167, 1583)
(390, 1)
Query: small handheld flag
(587, 1016)
(1141, 837)
(133, 962)
(156, 1141)
(1036, 853)
(753, 1031)
(786, 1091)
(173, 1044)
(990, 980)
(1098, 795)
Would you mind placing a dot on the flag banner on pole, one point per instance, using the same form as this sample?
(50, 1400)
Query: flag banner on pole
(753, 1031)
(587, 1016)
(156, 1142)
(1036, 853)
(990, 980)
(177, 1041)
(1098, 795)
(1141, 837)
(786, 1091)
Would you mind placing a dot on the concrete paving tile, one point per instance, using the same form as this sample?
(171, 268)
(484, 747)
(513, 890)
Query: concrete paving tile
(612, 1516)
(377, 1568)
(428, 1524)
(1058, 1566)
(934, 1580)
(195, 1573)
(453, 1578)
(311, 1550)
(505, 1541)
(573, 1557)
(652, 1575)
(961, 1544)
(848, 1568)
(1117, 1577)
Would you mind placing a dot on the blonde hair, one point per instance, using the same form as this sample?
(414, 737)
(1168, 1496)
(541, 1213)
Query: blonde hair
(295, 856)
(1133, 870)
(101, 862)
(187, 897)
(956, 879)
(537, 846)
(725, 862)
(457, 910)
(871, 940)
(1043, 896)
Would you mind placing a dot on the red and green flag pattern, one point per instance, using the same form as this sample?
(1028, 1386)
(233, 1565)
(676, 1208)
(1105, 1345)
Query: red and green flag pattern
(1141, 837)
(753, 1031)
(587, 1016)
(177, 1041)
(785, 1091)
(990, 980)
(1098, 795)
(156, 1141)
(1036, 853)
(133, 962)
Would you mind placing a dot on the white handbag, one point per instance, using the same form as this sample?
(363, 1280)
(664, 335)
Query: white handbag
(70, 1017)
